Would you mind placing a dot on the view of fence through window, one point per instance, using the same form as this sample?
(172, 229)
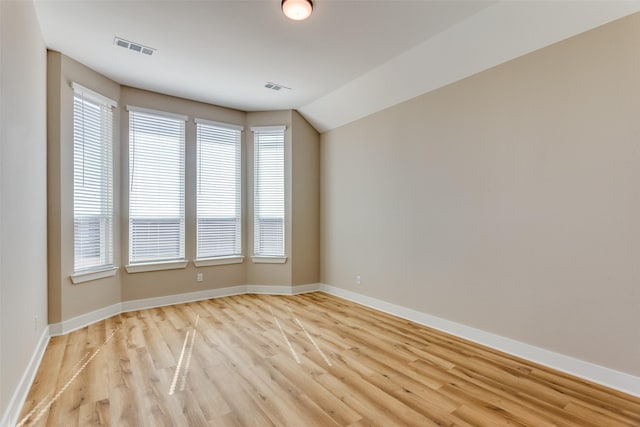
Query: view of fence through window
(156, 186)
(92, 181)
(218, 200)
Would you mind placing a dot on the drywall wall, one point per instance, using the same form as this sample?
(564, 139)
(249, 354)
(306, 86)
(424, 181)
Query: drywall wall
(67, 300)
(161, 283)
(507, 201)
(3, 405)
(23, 194)
(305, 191)
(258, 273)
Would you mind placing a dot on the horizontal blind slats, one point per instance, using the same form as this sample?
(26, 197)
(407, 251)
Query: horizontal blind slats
(218, 191)
(269, 209)
(156, 187)
(92, 182)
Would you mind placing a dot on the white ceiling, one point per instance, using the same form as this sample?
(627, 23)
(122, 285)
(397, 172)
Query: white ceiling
(348, 60)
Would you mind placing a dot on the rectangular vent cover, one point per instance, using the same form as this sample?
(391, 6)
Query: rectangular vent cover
(136, 47)
(276, 86)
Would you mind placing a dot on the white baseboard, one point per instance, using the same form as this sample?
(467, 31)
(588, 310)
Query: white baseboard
(86, 319)
(83, 320)
(268, 290)
(598, 374)
(282, 290)
(70, 325)
(304, 289)
(216, 293)
(621, 381)
(142, 304)
(16, 403)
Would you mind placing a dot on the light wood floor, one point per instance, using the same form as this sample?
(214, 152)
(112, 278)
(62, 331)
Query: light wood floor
(307, 360)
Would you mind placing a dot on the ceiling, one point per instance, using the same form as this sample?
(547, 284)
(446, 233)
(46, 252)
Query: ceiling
(348, 60)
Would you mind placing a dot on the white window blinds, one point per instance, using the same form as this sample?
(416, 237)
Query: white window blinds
(156, 186)
(92, 180)
(218, 190)
(269, 191)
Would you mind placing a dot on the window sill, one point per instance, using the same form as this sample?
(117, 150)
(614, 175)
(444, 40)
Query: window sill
(269, 259)
(88, 276)
(223, 260)
(156, 266)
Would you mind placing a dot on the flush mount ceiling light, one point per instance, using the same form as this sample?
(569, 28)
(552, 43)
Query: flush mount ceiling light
(297, 9)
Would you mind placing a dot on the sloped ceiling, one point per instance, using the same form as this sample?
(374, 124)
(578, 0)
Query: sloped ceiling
(350, 59)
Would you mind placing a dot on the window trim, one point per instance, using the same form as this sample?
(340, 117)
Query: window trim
(88, 276)
(223, 260)
(270, 258)
(94, 95)
(259, 259)
(133, 108)
(198, 120)
(102, 270)
(234, 258)
(277, 128)
(156, 266)
(161, 264)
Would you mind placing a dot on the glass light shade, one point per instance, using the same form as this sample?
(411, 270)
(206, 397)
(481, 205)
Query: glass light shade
(297, 9)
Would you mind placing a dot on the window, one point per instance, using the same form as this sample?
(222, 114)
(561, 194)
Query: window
(92, 180)
(269, 191)
(156, 186)
(218, 190)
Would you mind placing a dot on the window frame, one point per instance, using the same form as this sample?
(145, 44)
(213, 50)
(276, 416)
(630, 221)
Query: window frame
(102, 155)
(259, 254)
(140, 264)
(236, 256)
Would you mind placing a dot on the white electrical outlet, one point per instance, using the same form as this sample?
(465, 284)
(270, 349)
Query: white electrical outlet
(358, 279)
(199, 277)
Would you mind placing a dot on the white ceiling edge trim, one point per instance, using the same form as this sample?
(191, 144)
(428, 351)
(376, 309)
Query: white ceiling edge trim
(495, 35)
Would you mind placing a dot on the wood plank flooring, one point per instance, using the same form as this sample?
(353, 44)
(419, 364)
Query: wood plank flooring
(306, 360)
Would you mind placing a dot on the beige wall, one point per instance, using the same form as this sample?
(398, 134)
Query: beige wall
(160, 283)
(269, 274)
(508, 201)
(23, 194)
(305, 163)
(3, 392)
(67, 300)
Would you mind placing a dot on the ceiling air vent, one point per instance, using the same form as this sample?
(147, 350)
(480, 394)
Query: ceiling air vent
(136, 47)
(275, 86)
